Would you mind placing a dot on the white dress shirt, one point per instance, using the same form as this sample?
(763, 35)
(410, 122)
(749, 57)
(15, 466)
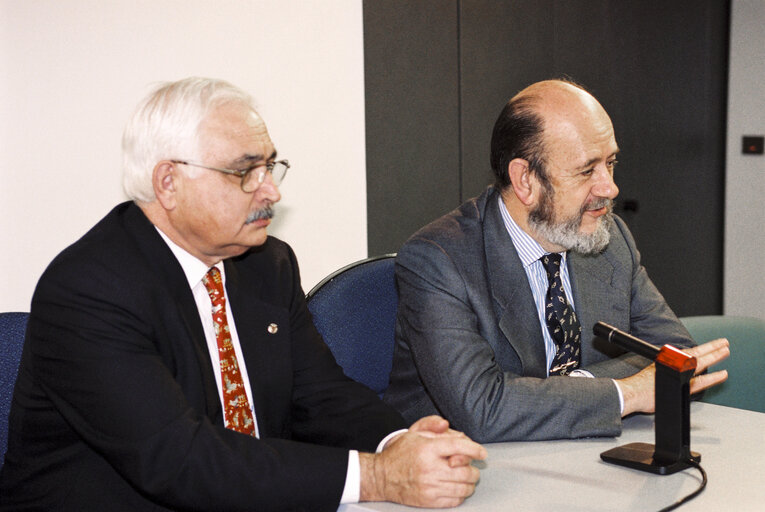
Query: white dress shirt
(195, 270)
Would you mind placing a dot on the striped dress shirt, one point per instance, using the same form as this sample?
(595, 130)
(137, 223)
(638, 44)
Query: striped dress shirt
(529, 251)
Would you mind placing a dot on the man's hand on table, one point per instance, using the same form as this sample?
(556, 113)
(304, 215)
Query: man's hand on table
(427, 466)
(638, 389)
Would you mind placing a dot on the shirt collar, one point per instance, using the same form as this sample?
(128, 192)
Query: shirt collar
(529, 250)
(194, 268)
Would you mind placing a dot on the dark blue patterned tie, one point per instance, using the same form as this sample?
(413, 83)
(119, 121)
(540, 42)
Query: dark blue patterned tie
(561, 320)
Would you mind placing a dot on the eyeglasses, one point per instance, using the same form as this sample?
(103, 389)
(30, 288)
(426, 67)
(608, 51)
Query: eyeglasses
(251, 181)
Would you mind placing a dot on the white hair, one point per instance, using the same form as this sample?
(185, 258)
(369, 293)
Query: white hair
(165, 126)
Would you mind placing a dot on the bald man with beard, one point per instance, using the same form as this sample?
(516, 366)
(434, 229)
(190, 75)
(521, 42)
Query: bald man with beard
(498, 298)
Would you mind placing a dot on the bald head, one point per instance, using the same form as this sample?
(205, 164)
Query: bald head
(533, 118)
(558, 95)
(553, 154)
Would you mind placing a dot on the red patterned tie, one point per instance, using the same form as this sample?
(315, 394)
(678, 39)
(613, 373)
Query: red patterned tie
(237, 412)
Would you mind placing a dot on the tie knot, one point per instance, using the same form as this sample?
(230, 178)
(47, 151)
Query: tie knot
(551, 263)
(214, 284)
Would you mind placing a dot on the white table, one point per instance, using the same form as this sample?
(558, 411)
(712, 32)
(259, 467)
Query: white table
(570, 476)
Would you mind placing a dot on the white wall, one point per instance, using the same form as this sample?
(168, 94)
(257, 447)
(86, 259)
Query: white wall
(744, 279)
(72, 71)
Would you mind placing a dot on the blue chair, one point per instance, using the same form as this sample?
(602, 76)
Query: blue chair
(354, 309)
(12, 329)
(746, 364)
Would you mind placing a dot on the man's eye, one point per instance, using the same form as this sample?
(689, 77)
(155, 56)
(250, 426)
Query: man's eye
(588, 172)
(256, 166)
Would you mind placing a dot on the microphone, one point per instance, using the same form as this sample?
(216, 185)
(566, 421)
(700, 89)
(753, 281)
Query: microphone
(624, 340)
(667, 355)
(674, 370)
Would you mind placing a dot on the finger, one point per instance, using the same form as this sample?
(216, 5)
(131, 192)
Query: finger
(442, 502)
(435, 424)
(459, 460)
(452, 432)
(444, 495)
(459, 475)
(449, 446)
(449, 432)
(703, 382)
(705, 348)
(463, 474)
(716, 342)
(455, 490)
(711, 358)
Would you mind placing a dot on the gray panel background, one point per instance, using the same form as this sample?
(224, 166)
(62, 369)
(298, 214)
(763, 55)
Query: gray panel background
(438, 73)
(411, 79)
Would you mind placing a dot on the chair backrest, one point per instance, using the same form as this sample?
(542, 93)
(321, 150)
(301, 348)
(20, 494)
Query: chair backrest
(746, 364)
(354, 309)
(12, 329)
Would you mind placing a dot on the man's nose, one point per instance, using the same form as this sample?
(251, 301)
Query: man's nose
(268, 190)
(605, 187)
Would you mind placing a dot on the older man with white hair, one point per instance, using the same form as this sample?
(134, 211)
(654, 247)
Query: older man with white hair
(171, 362)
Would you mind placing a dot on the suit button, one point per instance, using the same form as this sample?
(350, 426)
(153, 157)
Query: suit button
(273, 328)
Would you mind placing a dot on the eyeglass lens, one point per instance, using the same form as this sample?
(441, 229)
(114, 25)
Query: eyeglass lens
(254, 178)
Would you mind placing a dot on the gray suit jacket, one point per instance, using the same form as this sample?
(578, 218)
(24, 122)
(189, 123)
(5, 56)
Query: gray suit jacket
(469, 344)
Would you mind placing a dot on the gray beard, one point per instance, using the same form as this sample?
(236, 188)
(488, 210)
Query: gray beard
(566, 232)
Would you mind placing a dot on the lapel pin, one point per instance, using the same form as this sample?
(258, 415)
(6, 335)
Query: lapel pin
(273, 328)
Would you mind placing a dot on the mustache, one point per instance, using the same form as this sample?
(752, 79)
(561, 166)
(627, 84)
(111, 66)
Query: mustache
(597, 204)
(267, 212)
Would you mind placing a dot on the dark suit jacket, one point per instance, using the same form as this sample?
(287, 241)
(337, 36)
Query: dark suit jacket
(116, 406)
(469, 344)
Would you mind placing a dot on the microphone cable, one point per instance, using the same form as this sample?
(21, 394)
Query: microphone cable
(695, 493)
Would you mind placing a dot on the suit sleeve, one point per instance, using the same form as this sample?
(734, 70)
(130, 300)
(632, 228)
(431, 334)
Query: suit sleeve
(121, 392)
(457, 368)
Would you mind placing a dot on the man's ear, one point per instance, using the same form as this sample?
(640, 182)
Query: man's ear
(521, 180)
(163, 179)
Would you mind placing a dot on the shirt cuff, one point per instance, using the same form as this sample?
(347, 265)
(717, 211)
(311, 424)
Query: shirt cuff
(352, 489)
(381, 445)
(621, 397)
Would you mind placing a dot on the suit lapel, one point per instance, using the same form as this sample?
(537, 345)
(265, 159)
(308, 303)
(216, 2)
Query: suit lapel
(253, 318)
(594, 295)
(512, 294)
(169, 271)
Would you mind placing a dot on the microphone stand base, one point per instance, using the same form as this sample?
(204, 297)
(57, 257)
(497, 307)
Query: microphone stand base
(640, 456)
